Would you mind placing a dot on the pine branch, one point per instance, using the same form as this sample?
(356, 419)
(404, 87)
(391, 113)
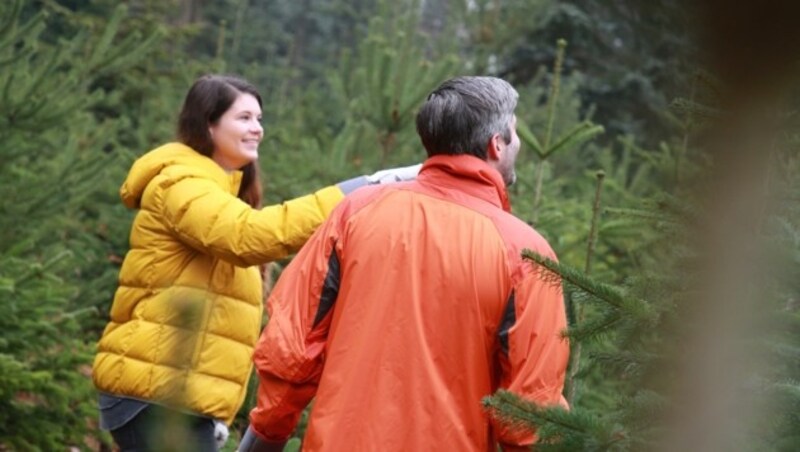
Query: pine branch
(530, 139)
(11, 31)
(578, 135)
(598, 290)
(625, 362)
(37, 270)
(555, 88)
(596, 328)
(695, 109)
(640, 214)
(516, 412)
(556, 428)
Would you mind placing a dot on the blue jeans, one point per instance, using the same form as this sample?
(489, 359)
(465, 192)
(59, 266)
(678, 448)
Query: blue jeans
(157, 428)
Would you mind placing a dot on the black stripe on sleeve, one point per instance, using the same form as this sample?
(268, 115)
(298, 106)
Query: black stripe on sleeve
(330, 288)
(509, 318)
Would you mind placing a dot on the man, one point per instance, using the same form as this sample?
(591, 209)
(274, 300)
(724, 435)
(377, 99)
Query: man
(412, 303)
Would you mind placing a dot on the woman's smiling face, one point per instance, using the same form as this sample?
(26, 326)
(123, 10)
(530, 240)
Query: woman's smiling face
(237, 134)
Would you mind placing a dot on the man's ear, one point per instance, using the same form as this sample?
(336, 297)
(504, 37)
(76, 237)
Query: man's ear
(494, 149)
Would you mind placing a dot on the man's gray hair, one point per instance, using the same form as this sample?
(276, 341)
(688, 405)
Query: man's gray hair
(463, 113)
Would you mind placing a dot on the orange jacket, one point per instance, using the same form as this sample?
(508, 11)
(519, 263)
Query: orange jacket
(409, 305)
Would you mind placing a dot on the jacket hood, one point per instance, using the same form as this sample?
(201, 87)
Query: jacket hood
(150, 165)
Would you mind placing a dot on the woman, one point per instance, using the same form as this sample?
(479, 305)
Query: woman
(188, 308)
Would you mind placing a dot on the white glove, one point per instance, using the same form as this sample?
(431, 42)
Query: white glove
(220, 433)
(400, 174)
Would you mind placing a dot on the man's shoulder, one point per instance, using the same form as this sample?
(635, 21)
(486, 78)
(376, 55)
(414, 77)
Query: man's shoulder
(520, 235)
(361, 197)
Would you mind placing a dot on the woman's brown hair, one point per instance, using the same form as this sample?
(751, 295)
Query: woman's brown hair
(208, 98)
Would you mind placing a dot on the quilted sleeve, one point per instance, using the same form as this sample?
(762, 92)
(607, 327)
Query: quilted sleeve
(211, 220)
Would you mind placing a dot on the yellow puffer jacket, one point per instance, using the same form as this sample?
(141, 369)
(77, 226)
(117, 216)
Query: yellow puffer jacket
(188, 308)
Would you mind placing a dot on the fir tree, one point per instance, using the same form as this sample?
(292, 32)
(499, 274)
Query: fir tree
(639, 333)
(52, 163)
